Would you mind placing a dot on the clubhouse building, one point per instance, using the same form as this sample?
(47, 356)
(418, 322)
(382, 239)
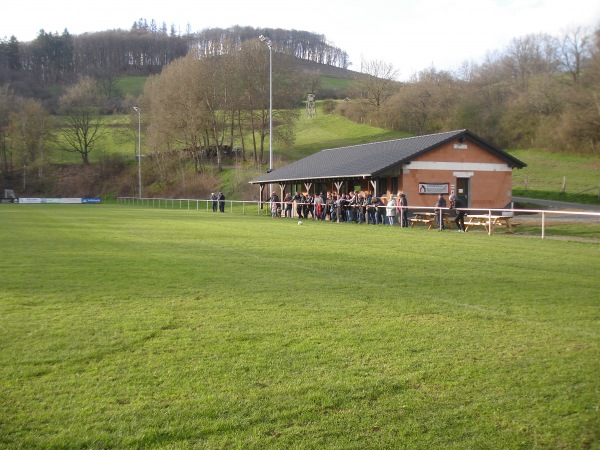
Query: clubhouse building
(454, 162)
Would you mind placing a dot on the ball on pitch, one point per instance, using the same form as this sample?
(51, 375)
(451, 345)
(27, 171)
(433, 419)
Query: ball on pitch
(299, 222)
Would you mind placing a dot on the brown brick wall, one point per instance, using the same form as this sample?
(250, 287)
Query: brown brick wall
(486, 189)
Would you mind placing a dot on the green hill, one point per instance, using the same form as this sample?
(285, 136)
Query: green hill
(332, 130)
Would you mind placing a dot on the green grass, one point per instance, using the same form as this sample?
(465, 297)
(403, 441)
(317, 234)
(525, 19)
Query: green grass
(127, 327)
(335, 83)
(545, 173)
(590, 230)
(132, 86)
(323, 131)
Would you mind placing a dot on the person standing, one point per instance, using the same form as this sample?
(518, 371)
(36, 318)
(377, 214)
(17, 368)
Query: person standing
(439, 216)
(334, 207)
(299, 204)
(350, 207)
(361, 207)
(343, 217)
(324, 207)
(379, 209)
(288, 204)
(214, 199)
(328, 210)
(403, 203)
(319, 206)
(221, 202)
(459, 220)
(274, 199)
(368, 207)
(370, 210)
(309, 201)
(390, 209)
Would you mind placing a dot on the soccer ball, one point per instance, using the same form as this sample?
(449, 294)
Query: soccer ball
(299, 222)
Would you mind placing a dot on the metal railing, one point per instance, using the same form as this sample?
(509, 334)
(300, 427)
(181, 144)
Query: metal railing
(264, 208)
(231, 206)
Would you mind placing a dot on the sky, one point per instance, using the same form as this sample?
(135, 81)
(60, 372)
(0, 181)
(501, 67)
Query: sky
(409, 35)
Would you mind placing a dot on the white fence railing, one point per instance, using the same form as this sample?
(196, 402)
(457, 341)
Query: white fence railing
(264, 208)
(245, 207)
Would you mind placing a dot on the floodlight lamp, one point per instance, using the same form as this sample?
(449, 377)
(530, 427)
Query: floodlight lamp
(266, 40)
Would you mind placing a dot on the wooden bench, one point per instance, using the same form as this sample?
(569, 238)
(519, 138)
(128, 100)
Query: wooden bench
(484, 221)
(428, 222)
(430, 219)
(469, 223)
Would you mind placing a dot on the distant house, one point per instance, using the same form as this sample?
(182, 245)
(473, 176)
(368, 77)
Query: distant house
(454, 162)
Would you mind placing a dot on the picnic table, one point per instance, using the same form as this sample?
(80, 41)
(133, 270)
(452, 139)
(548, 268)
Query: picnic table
(428, 218)
(489, 222)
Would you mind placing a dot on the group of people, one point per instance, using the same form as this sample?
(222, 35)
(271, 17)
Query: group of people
(358, 208)
(351, 207)
(218, 200)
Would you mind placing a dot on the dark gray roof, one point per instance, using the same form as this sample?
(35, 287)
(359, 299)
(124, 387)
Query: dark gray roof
(371, 159)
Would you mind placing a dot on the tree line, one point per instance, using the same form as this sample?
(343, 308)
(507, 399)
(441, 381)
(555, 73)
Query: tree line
(299, 44)
(206, 105)
(541, 91)
(52, 59)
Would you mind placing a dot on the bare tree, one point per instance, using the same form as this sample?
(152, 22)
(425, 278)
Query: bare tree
(531, 55)
(581, 120)
(82, 130)
(575, 50)
(215, 93)
(376, 83)
(251, 67)
(177, 116)
(427, 104)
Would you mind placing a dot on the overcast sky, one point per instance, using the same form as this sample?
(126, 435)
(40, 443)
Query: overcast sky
(411, 35)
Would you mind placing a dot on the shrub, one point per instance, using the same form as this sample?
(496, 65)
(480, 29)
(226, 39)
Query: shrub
(329, 106)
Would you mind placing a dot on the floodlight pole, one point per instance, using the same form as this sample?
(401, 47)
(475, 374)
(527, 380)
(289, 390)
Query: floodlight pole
(270, 45)
(139, 150)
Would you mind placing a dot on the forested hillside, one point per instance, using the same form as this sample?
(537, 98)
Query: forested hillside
(32, 69)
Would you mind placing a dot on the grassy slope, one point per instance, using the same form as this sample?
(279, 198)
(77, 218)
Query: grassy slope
(545, 172)
(332, 130)
(131, 86)
(184, 329)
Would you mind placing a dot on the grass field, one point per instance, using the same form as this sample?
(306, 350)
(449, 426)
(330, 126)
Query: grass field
(546, 172)
(126, 327)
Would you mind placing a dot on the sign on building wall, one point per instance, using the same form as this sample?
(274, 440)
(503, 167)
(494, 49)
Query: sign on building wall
(433, 188)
